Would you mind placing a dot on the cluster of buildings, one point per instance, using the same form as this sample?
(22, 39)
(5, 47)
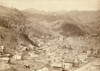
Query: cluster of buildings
(59, 54)
(4, 57)
(65, 59)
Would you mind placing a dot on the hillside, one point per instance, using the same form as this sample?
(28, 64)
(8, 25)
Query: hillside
(29, 25)
(35, 40)
(10, 21)
(70, 29)
(81, 22)
(16, 28)
(40, 15)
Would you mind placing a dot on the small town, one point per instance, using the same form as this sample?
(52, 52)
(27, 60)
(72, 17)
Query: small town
(63, 57)
(49, 35)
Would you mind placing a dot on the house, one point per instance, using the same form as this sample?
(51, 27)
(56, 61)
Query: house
(24, 48)
(32, 54)
(67, 63)
(97, 65)
(4, 59)
(61, 38)
(31, 46)
(5, 55)
(42, 36)
(96, 53)
(83, 57)
(29, 55)
(67, 66)
(17, 56)
(39, 44)
(89, 52)
(8, 55)
(56, 62)
(76, 62)
(58, 65)
(1, 49)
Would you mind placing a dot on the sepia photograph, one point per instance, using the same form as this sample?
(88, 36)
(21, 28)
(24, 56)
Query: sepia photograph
(49, 35)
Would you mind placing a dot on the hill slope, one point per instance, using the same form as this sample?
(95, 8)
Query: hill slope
(16, 28)
(81, 22)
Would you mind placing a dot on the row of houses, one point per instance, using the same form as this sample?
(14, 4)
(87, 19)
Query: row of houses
(67, 63)
(4, 57)
(22, 54)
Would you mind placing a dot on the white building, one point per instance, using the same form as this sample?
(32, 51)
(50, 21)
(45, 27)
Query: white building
(1, 48)
(67, 66)
(17, 56)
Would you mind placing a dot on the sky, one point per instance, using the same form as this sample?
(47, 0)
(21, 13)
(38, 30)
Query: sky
(53, 5)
